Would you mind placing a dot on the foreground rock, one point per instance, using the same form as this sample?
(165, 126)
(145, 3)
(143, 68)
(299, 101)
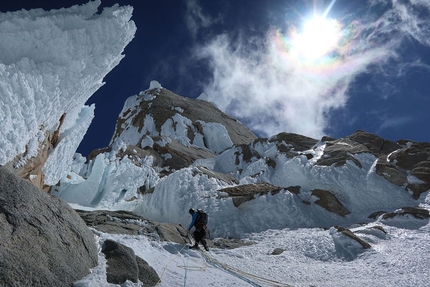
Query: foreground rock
(43, 241)
(124, 265)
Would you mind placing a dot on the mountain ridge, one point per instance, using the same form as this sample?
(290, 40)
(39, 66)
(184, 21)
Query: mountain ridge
(160, 148)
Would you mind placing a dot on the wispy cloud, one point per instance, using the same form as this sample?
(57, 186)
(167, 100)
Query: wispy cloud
(196, 19)
(261, 83)
(394, 122)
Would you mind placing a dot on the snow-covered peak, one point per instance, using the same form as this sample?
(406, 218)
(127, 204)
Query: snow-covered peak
(202, 97)
(160, 112)
(154, 85)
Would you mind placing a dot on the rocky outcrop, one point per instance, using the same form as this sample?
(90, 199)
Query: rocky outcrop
(43, 241)
(126, 222)
(277, 251)
(403, 163)
(339, 151)
(124, 265)
(29, 167)
(416, 212)
(408, 166)
(213, 174)
(246, 192)
(291, 144)
(177, 156)
(153, 114)
(329, 201)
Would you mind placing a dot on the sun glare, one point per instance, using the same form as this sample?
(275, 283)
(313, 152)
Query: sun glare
(318, 37)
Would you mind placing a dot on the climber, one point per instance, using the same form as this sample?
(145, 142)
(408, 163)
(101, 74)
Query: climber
(199, 221)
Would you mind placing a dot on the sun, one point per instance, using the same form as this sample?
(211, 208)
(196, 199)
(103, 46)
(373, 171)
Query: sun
(318, 37)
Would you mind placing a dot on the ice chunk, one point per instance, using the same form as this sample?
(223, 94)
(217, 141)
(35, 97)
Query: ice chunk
(154, 85)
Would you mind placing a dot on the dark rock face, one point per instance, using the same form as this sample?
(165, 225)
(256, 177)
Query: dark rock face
(213, 174)
(419, 213)
(277, 251)
(43, 241)
(294, 141)
(124, 265)
(328, 201)
(413, 160)
(339, 151)
(246, 192)
(396, 161)
(171, 232)
(181, 156)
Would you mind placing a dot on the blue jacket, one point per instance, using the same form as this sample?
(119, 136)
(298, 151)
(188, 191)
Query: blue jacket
(195, 215)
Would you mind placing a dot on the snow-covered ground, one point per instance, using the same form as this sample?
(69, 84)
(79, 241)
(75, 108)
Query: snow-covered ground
(312, 257)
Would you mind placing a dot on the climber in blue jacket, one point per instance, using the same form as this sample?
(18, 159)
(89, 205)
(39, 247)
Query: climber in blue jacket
(199, 221)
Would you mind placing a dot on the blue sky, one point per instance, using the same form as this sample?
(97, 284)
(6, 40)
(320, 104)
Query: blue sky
(260, 63)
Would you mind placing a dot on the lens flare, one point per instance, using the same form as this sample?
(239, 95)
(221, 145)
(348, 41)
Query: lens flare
(322, 45)
(318, 38)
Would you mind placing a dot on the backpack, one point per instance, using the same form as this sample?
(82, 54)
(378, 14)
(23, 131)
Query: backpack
(202, 217)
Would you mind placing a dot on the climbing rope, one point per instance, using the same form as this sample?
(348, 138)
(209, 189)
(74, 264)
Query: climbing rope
(165, 267)
(186, 267)
(253, 280)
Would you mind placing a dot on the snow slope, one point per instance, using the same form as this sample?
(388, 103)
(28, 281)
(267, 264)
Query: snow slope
(312, 257)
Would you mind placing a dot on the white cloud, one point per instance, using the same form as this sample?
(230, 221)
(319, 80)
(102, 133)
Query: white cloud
(261, 83)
